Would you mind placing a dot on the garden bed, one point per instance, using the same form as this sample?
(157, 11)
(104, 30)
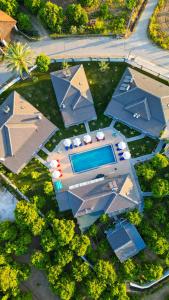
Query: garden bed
(143, 146)
(127, 131)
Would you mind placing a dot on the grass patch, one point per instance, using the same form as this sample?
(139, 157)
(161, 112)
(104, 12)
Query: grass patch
(143, 146)
(31, 187)
(42, 154)
(126, 130)
(98, 124)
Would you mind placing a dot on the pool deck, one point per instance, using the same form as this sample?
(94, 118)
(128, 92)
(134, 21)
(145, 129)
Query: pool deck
(69, 178)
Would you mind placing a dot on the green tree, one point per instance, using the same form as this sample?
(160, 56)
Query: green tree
(89, 3)
(20, 245)
(80, 244)
(80, 270)
(24, 23)
(48, 188)
(62, 258)
(35, 175)
(153, 272)
(33, 5)
(104, 11)
(130, 269)
(131, 4)
(95, 288)
(76, 15)
(53, 274)
(65, 288)
(23, 296)
(146, 171)
(105, 272)
(160, 246)
(9, 6)
(43, 62)
(27, 216)
(160, 187)
(134, 217)
(63, 230)
(18, 58)
(39, 259)
(52, 16)
(160, 161)
(105, 219)
(48, 240)
(8, 231)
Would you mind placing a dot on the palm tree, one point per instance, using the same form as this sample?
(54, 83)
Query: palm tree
(19, 57)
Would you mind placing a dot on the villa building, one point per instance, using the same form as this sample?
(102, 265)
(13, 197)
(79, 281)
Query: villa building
(125, 240)
(7, 24)
(142, 103)
(111, 195)
(23, 131)
(73, 95)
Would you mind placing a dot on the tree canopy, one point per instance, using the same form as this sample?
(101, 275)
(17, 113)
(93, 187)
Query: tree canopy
(52, 16)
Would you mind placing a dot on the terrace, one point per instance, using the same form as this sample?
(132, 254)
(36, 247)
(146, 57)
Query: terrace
(70, 178)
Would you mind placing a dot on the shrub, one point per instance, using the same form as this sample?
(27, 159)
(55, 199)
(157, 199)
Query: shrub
(33, 5)
(89, 3)
(9, 6)
(24, 23)
(76, 15)
(43, 62)
(52, 16)
(104, 11)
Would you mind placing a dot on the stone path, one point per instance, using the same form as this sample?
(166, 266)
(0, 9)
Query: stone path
(135, 138)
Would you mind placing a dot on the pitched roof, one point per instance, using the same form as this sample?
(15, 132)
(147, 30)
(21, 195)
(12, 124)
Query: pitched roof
(140, 101)
(5, 18)
(104, 195)
(73, 95)
(125, 240)
(23, 129)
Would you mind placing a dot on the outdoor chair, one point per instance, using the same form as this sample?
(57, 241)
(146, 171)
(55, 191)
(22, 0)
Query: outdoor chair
(66, 148)
(120, 154)
(121, 158)
(71, 146)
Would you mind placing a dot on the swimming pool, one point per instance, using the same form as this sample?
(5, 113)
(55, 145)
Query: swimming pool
(92, 159)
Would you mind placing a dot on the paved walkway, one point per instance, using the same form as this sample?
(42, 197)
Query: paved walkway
(87, 127)
(135, 138)
(138, 46)
(142, 158)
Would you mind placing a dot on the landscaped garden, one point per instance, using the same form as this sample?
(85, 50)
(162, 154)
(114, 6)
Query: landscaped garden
(75, 17)
(143, 146)
(127, 131)
(159, 27)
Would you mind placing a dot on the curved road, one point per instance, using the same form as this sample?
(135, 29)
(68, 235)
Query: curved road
(137, 46)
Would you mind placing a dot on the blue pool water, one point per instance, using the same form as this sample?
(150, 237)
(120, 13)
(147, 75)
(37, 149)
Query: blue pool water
(92, 159)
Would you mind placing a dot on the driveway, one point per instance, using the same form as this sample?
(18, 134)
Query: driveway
(137, 46)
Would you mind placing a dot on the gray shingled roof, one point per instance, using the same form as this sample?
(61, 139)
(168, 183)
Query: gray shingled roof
(73, 95)
(145, 97)
(109, 196)
(23, 129)
(125, 240)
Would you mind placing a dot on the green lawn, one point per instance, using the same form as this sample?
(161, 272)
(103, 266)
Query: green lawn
(126, 130)
(143, 146)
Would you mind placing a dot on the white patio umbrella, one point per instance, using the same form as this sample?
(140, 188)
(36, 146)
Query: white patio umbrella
(87, 138)
(126, 155)
(56, 174)
(67, 142)
(53, 163)
(100, 135)
(122, 145)
(77, 142)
